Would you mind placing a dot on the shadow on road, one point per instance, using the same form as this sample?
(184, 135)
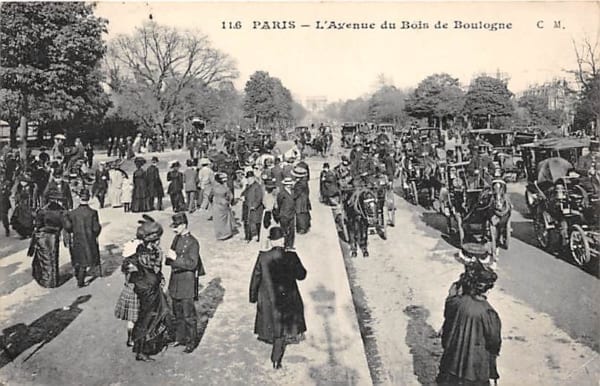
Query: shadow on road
(19, 338)
(332, 372)
(519, 204)
(425, 345)
(207, 304)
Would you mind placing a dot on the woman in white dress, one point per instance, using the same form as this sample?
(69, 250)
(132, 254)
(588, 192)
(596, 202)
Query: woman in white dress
(115, 187)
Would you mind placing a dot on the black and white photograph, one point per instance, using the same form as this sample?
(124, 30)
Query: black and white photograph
(300, 193)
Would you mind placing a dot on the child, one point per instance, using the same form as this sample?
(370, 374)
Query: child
(127, 193)
(128, 305)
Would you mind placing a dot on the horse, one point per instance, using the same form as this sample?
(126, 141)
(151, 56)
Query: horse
(361, 213)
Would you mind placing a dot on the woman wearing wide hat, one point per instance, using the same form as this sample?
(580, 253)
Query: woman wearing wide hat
(221, 198)
(140, 200)
(273, 287)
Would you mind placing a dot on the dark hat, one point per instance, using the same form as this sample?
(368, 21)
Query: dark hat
(178, 219)
(84, 196)
(155, 159)
(175, 164)
(249, 174)
(276, 233)
(139, 161)
(150, 231)
(269, 182)
(326, 165)
(54, 195)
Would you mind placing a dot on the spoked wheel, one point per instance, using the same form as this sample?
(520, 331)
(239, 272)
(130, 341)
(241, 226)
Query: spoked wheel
(542, 233)
(414, 192)
(580, 246)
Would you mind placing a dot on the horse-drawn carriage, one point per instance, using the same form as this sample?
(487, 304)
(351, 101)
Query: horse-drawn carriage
(503, 147)
(349, 130)
(480, 209)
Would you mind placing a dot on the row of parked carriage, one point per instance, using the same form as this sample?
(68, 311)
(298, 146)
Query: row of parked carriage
(435, 171)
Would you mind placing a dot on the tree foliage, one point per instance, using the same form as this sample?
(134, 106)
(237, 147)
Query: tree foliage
(587, 74)
(268, 102)
(437, 96)
(537, 112)
(488, 96)
(156, 69)
(387, 105)
(49, 66)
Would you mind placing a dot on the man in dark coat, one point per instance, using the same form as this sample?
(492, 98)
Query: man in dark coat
(277, 172)
(471, 335)
(100, 186)
(285, 211)
(57, 186)
(253, 207)
(175, 189)
(5, 191)
(329, 189)
(186, 267)
(154, 184)
(84, 228)
(280, 310)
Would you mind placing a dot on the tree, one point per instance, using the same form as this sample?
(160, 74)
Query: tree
(387, 105)
(538, 112)
(355, 110)
(50, 55)
(587, 74)
(488, 97)
(156, 67)
(267, 101)
(438, 97)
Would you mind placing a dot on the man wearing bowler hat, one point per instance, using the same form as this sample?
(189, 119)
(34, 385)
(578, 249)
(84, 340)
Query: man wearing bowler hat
(84, 227)
(286, 211)
(186, 267)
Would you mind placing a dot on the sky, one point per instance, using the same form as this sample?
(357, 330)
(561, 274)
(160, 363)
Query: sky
(343, 64)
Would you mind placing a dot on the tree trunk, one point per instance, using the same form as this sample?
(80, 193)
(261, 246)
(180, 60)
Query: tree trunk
(23, 127)
(14, 128)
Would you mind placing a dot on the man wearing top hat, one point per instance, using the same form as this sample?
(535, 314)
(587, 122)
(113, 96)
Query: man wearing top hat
(286, 211)
(155, 186)
(57, 186)
(84, 228)
(186, 267)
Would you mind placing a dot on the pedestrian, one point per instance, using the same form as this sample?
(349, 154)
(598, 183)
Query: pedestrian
(128, 304)
(154, 184)
(190, 183)
(268, 220)
(100, 186)
(58, 186)
(5, 192)
(109, 147)
(471, 333)
(175, 189)
(44, 247)
(279, 307)
(223, 219)
(302, 200)
(144, 267)
(285, 211)
(329, 191)
(140, 200)
(186, 267)
(126, 196)
(22, 216)
(89, 154)
(206, 179)
(84, 228)
(115, 186)
(253, 208)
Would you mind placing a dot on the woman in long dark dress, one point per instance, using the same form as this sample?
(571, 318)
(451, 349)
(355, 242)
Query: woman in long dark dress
(140, 201)
(150, 328)
(44, 245)
(22, 217)
(280, 310)
(302, 200)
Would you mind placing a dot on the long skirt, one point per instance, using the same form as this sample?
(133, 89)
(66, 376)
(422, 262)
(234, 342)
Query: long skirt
(45, 259)
(140, 204)
(22, 220)
(302, 222)
(223, 221)
(268, 222)
(151, 327)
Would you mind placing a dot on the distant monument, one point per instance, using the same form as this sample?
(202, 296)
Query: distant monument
(316, 103)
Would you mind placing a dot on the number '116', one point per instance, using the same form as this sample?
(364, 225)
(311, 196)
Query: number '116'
(231, 24)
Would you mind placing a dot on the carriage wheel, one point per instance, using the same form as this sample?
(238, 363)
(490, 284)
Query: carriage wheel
(414, 192)
(542, 233)
(580, 246)
(530, 201)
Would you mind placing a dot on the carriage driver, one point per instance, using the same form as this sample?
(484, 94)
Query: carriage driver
(362, 167)
(480, 167)
(588, 166)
